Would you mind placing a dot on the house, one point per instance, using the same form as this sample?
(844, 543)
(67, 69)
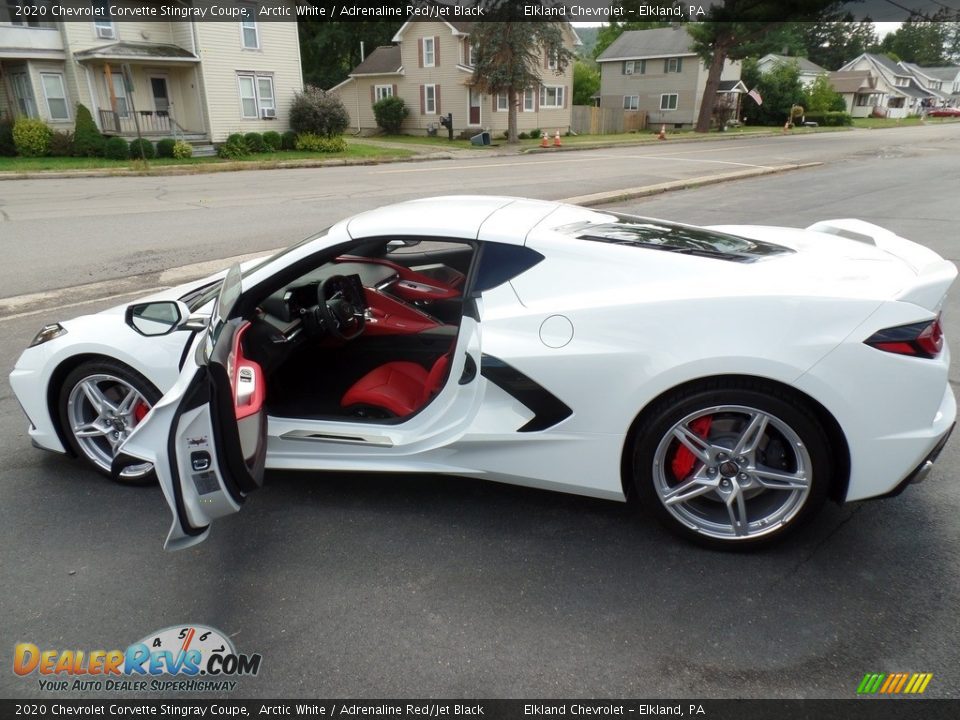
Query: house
(657, 71)
(430, 66)
(809, 71)
(943, 83)
(896, 93)
(858, 89)
(178, 78)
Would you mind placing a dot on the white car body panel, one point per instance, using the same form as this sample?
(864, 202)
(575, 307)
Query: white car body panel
(641, 322)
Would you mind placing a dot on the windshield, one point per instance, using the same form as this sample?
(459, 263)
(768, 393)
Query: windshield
(206, 293)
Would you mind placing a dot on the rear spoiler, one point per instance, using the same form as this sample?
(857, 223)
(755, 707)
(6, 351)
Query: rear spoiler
(934, 274)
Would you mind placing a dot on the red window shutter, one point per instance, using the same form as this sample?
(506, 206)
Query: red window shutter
(536, 99)
(394, 89)
(546, 59)
(373, 97)
(423, 102)
(436, 95)
(495, 96)
(420, 54)
(566, 92)
(436, 50)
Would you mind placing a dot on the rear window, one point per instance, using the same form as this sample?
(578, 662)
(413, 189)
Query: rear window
(683, 239)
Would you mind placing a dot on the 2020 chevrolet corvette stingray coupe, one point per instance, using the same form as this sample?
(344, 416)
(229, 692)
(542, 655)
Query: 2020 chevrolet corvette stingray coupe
(731, 378)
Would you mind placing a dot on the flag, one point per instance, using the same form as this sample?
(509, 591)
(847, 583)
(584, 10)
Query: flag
(756, 96)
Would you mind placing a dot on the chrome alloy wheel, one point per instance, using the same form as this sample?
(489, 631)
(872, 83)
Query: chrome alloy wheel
(732, 472)
(102, 411)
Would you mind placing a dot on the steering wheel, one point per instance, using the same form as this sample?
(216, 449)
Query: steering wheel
(341, 307)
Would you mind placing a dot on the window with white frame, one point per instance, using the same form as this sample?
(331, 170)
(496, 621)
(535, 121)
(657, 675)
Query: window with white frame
(56, 96)
(503, 102)
(120, 93)
(551, 96)
(631, 102)
(471, 54)
(668, 101)
(634, 67)
(551, 61)
(248, 27)
(430, 99)
(673, 65)
(382, 91)
(256, 95)
(429, 52)
(26, 13)
(24, 94)
(103, 20)
(529, 100)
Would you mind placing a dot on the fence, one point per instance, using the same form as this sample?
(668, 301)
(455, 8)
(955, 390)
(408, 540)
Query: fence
(587, 120)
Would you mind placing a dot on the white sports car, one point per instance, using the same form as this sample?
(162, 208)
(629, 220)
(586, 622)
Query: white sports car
(732, 378)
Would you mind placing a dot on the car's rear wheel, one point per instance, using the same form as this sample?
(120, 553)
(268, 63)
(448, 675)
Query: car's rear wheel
(732, 464)
(100, 403)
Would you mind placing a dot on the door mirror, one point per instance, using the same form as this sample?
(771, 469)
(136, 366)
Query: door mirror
(157, 318)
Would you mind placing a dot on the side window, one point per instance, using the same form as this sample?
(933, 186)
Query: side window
(500, 262)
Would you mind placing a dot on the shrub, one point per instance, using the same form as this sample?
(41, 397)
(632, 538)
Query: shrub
(61, 143)
(288, 141)
(182, 150)
(31, 137)
(830, 119)
(520, 135)
(142, 148)
(165, 147)
(234, 148)
(272, 140)
(87, 139)
(535, 133)
(254, 142)
(6, 138)
(116, 148)
(390, 113)
(319, 113)
(316, 143)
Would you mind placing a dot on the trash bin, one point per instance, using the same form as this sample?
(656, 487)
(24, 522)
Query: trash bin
(480, 139)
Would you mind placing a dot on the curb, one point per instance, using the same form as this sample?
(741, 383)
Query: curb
(611, 196)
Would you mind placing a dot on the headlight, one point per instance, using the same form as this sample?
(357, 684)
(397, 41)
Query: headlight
(48, 332)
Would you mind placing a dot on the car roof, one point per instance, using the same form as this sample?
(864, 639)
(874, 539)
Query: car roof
(488, 217)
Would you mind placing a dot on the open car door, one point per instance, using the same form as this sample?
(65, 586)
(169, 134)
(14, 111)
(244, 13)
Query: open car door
(207, 437)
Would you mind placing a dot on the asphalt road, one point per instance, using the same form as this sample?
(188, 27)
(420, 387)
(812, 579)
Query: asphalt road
(382, 586)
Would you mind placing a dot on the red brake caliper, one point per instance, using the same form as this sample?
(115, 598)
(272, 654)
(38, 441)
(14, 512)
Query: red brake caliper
(684, 460)
(140, 411)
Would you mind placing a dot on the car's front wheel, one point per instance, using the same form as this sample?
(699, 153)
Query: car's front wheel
(100, 403)
(732, 463)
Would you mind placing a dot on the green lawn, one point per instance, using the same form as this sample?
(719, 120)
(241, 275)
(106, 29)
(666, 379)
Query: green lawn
(439, 142)
(355, 151)
(874, 123)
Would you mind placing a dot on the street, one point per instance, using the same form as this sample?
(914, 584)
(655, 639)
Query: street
(379, 586)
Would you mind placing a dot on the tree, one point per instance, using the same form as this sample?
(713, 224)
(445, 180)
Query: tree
(586, 82)
(832, 43)
(87, 140)
(742, 28)
(923, 40)
(779, 88)
(820, 96)
(317, 112)
(390, 113)
(509, 57)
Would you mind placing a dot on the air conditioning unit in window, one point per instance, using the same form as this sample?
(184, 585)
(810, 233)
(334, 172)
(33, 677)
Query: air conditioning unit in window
(105, 32)
(268, 113)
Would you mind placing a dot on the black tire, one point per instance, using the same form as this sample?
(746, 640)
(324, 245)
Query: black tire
(788, 418)
(123, 373)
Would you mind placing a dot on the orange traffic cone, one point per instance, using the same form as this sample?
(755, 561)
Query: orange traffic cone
(543, 140)
(663, 133)
(556, 140)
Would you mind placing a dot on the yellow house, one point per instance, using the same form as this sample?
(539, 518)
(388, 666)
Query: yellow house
(181, 78)
(430, 66)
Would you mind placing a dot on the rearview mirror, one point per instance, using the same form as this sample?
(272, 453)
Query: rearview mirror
(153, 319)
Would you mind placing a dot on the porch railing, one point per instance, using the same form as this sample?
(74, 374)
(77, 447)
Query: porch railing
(152, 122)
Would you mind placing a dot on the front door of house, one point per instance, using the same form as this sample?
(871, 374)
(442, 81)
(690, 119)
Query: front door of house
(474, 107)
(161, 96)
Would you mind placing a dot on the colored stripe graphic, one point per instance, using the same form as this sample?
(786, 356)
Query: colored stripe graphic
(894, 683)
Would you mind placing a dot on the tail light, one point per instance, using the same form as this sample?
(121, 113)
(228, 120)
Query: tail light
(923, 339)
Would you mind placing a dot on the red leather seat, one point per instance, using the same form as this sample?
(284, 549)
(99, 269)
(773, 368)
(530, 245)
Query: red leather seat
(400, 387)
